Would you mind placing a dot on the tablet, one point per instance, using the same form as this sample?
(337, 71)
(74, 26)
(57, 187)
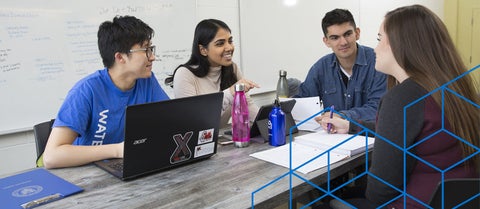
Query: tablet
(260, 124)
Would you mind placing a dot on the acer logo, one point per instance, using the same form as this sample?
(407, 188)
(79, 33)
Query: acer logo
(139, 141)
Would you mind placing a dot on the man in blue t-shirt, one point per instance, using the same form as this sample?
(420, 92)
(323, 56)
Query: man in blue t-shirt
(90, 123)
(347, 77)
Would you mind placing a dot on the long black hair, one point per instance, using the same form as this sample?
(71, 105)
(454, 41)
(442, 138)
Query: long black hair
(199, 65)
(120, 35)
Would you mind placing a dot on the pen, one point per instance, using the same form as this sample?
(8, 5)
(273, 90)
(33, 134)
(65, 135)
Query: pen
(329, 125)
(41, 201)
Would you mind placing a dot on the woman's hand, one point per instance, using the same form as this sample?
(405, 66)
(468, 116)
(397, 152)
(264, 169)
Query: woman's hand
(248, 85)
(339, 125)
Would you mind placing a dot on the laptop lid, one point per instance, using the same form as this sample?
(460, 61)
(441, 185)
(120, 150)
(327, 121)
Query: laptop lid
(260, 124)
(167, 134)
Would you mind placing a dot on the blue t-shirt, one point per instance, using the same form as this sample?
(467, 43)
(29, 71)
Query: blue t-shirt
(360, 99)
(95, 107)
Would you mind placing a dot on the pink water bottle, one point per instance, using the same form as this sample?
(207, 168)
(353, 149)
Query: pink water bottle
(240, 120)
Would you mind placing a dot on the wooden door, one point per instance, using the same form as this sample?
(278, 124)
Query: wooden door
(468, 35)
(475, 50)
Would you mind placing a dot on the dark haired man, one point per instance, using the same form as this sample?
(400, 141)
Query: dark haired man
(347, 77)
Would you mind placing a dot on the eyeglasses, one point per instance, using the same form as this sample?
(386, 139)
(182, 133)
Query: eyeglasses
(149, 51)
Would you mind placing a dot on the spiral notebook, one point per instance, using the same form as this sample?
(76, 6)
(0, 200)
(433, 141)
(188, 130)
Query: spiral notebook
(318, 149)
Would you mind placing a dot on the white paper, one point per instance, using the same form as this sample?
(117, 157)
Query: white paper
(308, 146)
(300, 154)
(305, 108)
(322, 140)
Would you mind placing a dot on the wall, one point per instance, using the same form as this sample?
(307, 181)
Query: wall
(17, 152)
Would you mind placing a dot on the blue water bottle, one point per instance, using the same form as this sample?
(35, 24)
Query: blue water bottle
(276, 125)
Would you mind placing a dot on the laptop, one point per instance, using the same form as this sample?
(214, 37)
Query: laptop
(260, 124)
(167, 134)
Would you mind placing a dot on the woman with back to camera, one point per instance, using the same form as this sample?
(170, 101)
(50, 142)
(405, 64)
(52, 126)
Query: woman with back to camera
(211, 69)
(416, 51)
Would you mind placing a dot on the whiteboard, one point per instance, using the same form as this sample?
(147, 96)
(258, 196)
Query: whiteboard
(276, 35)
(46, 46)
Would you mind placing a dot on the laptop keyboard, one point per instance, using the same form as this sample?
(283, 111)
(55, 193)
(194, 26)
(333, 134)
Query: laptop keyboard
(117, 166)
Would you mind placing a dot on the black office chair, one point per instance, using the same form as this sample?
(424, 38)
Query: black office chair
(42, 132)
(456, 192)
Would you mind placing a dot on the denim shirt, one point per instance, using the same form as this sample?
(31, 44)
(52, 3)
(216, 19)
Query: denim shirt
(359, 100)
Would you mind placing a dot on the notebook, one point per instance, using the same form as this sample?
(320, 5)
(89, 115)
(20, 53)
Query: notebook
(347, 144)
(34, 188)
(163, 135)
(315, 145)
(260, 124)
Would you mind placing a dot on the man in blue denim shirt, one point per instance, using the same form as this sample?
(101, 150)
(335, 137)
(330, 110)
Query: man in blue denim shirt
(346, 78)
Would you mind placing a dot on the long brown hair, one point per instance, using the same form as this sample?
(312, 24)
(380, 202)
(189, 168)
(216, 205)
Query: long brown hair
(422, 46)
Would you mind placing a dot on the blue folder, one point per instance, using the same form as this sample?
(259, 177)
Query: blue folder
(34, 188)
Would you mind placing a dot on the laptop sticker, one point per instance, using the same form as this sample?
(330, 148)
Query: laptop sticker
(205, 136)
(182, 152)
(204, 149)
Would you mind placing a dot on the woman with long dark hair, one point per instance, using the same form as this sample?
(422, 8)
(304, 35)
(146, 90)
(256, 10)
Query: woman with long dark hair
(211, 69)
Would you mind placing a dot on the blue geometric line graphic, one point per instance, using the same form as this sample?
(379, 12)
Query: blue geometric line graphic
(407, 151)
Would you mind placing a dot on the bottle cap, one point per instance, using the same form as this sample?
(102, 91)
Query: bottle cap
(240, 87)
(276, 103)
(283, 73)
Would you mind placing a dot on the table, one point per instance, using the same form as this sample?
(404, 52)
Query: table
(226, 180)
